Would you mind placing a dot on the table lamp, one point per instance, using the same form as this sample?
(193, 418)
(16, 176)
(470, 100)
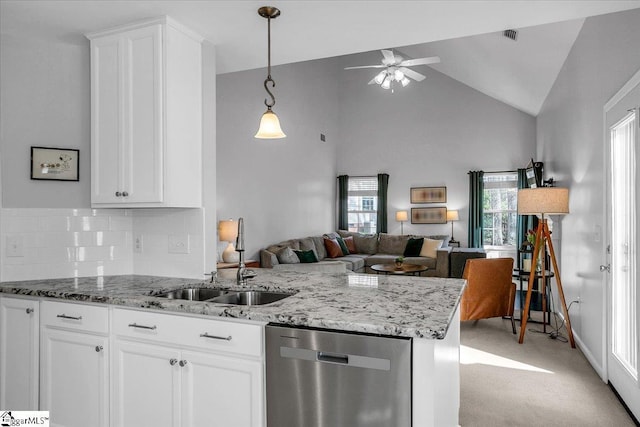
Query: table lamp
(453, 216)
(544, 201)
(228, 232)
(401, 217)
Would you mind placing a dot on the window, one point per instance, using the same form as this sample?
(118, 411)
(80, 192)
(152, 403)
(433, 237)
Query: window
(500, 213)
(363, 204)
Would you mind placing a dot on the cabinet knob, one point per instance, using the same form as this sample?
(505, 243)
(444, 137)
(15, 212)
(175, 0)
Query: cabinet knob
(173, 361)
(125, 194)
(118, 194)
(99, 348)
(29, 310)
(183, 362)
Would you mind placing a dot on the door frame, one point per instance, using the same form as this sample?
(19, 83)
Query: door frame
(606, 294)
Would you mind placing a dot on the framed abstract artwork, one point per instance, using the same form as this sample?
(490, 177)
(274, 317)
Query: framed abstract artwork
(429, 195)
(429, 215)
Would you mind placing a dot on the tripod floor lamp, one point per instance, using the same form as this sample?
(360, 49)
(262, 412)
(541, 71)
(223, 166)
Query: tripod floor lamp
(544, 201)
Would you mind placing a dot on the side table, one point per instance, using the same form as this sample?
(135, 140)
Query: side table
(250, 263)
(539, 297)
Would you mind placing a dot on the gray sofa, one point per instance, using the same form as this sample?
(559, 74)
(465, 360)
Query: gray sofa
(370, 249)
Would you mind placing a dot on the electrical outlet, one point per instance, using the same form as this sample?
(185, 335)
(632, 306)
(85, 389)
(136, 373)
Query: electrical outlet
(137, 243)
(14, 246)
(178, 243)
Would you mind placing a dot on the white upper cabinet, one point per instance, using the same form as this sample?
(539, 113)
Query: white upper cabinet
(146, 116)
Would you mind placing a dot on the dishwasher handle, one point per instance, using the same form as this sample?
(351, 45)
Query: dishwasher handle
(323, 356)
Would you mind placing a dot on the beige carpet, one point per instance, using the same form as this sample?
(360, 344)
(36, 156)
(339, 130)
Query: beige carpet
(543, 382)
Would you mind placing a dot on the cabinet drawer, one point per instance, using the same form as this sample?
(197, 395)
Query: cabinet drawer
(80, 317)
(216, 335)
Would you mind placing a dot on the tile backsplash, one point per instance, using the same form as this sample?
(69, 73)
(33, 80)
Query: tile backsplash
(53, 243)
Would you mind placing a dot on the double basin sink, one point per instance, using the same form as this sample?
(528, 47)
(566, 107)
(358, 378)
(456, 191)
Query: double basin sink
(226, 297)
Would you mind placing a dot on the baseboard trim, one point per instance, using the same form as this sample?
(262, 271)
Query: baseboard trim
(587, 353)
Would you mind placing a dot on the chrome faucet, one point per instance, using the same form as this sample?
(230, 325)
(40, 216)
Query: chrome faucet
(241, 276)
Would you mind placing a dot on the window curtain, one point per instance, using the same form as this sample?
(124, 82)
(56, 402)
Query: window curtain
(476, 188)
(343, 196)
(383, 184)
(524, 222)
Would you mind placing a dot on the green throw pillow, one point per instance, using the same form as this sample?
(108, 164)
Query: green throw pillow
(306, 256)
(413, 247)
(343, 246)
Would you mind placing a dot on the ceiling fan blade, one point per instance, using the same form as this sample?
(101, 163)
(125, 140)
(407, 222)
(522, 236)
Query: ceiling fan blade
(410, 73)
(420, 61)
(389, 57)
(365, 66)
(372, 81)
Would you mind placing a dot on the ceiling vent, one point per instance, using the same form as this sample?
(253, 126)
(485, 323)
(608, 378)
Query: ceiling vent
(511, 34)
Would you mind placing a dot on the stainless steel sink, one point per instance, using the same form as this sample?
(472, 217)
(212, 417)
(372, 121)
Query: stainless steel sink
(225, 297)
(192, 294)
(250, 297)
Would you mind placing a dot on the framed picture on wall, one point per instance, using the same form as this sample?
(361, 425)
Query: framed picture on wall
(54, 164)
(429, 195)
(429, 215)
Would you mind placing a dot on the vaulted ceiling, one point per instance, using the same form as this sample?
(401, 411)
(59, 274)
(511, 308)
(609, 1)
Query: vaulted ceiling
(465, 34)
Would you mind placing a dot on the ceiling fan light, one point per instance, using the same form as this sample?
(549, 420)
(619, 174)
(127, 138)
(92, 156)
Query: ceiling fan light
(270, 126)
(405, 81)
(380, 77)
(386, 84)
(399, 75)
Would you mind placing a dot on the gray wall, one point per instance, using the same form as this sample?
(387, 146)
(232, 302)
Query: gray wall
(570, 142)
(45, 102)
(285, 187)
(430, 133)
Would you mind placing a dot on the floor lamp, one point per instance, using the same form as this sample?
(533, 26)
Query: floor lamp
(544, 201)
(401, 217)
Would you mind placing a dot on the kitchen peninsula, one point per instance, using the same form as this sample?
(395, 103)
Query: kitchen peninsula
(423, 309)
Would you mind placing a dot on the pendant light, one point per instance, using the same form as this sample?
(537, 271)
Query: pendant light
(269, 123)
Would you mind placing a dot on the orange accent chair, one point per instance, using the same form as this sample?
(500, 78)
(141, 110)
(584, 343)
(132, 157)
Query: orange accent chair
(490, 291)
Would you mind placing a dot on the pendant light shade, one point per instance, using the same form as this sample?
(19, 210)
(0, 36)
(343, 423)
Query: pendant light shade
(269, 123)
(270, 126)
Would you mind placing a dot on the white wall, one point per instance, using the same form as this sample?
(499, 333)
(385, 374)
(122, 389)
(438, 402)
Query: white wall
(570, 142)
(45, 102)
(283, 188)
(430, 133)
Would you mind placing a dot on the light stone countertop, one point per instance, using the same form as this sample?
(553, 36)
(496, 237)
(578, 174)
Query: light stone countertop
(418, 307)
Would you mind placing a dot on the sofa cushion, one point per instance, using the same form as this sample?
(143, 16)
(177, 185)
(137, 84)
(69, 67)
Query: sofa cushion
(322, 266)
(306, 256)
(392, 244)
(380, 259)
(364, 243)
(343, 245)
(355, 262)
(413, 246)
(430, 248)
(321, 251)
(287, 256)
(307, 244)
(351, 244)
(333, 248)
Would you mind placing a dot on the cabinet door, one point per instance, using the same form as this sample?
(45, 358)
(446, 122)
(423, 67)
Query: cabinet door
(74, 378)
(146, 385)
(107, 115)
(19, 335)
(221, 391)
(143, 156)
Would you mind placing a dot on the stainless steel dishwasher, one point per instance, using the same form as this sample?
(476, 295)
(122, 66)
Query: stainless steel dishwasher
(318, 378)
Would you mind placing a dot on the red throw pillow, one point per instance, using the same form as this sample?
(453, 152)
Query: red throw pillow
(351, 245)
(333, 248)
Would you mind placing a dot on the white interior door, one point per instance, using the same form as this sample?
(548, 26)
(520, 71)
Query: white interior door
(623, 135)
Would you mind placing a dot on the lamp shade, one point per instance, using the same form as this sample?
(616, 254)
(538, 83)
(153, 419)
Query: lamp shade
(453, 216)
(227, 230)
(543, 200)
(402, 216)
(270, 126)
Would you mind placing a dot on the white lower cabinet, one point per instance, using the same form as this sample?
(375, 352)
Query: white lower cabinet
(179, 371)
(19, 352)
(74, 364)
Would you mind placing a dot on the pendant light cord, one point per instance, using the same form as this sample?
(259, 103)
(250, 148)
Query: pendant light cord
(269, 79)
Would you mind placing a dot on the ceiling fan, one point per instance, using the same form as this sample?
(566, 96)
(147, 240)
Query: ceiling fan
(395, 69)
